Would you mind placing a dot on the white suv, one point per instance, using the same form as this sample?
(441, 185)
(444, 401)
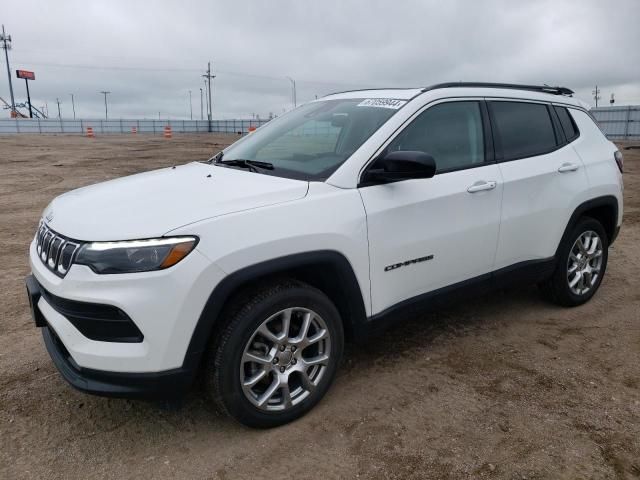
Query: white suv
(324, 224)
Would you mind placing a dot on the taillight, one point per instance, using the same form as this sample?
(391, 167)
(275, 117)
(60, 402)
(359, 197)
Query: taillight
(619, 160)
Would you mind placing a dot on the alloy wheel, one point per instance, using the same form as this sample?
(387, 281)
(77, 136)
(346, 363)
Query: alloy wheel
(285, 359)
(584, 263)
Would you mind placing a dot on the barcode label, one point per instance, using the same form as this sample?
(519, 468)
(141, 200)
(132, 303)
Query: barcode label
(391, 103)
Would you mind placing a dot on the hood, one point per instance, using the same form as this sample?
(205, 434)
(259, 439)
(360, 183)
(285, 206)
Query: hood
(150, 204)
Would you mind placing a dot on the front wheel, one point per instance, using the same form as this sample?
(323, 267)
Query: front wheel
(278, 354)
(581, 264)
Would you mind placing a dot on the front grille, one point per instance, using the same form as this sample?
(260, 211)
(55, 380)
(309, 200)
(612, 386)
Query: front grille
(55, 250)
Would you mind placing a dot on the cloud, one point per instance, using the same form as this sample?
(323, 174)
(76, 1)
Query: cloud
(150, 54)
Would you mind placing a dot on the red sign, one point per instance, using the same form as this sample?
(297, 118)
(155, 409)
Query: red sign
(26, 74)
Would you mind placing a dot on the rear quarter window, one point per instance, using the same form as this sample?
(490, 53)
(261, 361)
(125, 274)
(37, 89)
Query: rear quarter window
(568, 124)
(523, 129)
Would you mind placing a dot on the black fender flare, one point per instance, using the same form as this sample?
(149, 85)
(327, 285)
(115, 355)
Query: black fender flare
(604, 201)
(212, 310)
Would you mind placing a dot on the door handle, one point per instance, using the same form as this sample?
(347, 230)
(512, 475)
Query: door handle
(481, 186)
(568, 167)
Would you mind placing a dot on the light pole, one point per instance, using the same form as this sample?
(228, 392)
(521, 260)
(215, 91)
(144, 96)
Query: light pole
(6, 45)
(201, 106)
(293, 87)
(106, 110)
(190, 105)
(59, 114)
(73, 105)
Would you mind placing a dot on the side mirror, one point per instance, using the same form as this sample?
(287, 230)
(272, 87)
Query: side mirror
(401, 165)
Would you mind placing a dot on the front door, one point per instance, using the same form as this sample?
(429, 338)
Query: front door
(425, 234)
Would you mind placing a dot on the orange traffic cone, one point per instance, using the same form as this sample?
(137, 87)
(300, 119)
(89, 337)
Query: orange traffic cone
(167, 132)
(90, 132)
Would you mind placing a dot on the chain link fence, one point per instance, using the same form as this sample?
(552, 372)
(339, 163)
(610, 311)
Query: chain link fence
(51, 125)
(618, 123)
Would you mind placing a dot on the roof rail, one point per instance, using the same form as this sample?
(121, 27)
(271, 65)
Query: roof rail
(534, 88)
(371, 89)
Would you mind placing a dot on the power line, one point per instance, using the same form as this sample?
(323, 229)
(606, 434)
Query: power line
(82, 66)
(182, 69)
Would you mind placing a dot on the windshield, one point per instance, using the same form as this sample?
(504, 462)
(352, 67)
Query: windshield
(312, 141)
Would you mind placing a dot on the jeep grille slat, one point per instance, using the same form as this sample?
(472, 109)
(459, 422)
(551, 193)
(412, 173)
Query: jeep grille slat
(55, 250)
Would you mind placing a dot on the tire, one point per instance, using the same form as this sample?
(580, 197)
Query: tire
(559, 288)
(282, 360)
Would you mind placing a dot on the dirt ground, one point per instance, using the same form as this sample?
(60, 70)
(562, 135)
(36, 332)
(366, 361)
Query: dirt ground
(502, 387)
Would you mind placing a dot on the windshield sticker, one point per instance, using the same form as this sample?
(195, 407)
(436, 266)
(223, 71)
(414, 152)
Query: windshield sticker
(382, 103)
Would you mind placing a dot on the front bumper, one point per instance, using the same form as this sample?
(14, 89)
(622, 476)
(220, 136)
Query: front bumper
(164, 305)
(161, 385)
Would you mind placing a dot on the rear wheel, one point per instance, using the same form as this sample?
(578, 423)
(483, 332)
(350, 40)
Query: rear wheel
(581, 264)
(278, 354)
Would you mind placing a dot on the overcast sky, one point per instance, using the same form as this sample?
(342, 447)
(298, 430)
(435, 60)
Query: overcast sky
(150, 54)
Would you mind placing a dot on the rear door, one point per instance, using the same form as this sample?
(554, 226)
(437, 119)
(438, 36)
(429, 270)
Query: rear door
(425, 234)
(543, 179)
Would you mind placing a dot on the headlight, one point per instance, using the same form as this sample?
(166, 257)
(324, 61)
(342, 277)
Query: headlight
(135, 255)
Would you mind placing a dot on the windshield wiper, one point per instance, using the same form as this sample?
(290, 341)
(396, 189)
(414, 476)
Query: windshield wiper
(216, 158)
(252, 165)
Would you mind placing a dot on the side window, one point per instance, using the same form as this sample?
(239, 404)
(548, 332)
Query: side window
(524, 129)
(568, 125)
(450, 132)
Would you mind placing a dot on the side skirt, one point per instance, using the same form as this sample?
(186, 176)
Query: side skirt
(523, 273)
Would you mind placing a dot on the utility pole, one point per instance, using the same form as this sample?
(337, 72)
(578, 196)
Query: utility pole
(6, 45)
(106, 111)
(596, 95)
(201, 106)
(73, 105)
(59, 114)
(293, 86)
(206, 96)
(208, 78)
(190, 105)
